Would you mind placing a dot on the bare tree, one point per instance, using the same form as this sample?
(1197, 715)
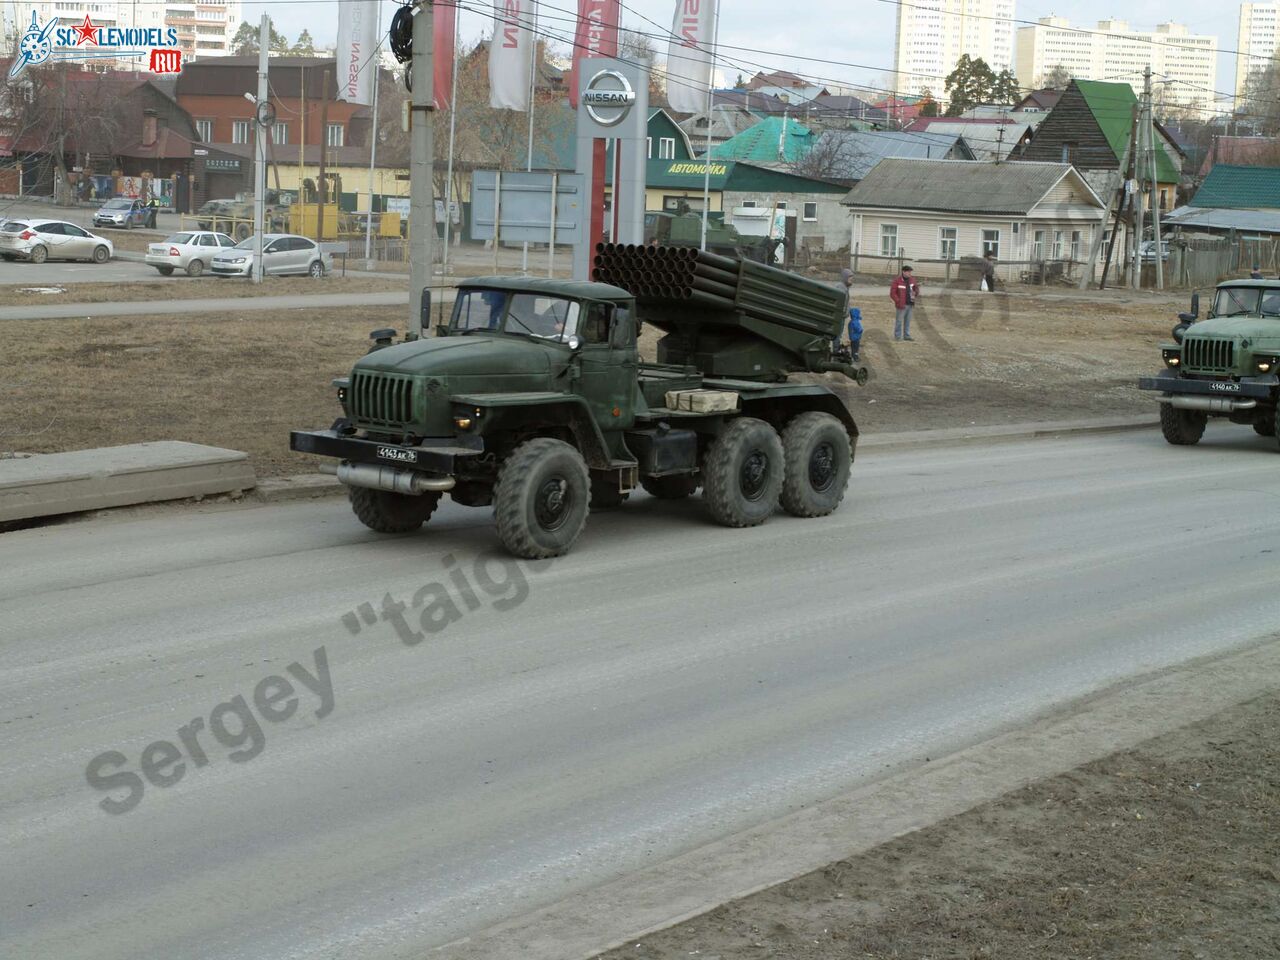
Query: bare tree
(833, 156)
(639, 46)
(1055, 78)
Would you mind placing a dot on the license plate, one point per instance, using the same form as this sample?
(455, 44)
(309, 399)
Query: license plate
(1224, 387)
(398, 454)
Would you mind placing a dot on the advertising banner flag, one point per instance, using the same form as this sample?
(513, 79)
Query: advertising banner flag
(596, 36)
(511, 53)
(689, 55)
(357, 50)
(444, 33)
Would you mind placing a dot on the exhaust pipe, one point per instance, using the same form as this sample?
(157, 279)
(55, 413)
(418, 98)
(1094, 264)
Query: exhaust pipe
(1209, 404)
(390, 479)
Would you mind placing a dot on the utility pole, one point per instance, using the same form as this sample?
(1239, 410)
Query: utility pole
(321, 186)
(260, 143)
(1155, 182)
(422, 209)
(1139, 176)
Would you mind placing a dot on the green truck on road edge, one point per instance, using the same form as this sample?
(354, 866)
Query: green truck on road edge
(533, 399)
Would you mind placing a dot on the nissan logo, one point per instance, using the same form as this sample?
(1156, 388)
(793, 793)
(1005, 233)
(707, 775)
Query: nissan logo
(607, 103)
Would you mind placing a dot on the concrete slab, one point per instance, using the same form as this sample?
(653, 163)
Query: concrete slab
(1007, 431)
(50, 484)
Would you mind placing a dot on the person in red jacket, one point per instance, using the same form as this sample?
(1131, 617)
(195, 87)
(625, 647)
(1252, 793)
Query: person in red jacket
(904, 291)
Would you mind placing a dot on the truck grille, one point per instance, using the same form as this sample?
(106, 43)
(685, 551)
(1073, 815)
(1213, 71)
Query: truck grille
(1201, 354)
(385, 399)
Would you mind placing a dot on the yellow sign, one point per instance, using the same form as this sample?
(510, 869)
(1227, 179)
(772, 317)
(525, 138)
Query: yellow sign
(717, 169)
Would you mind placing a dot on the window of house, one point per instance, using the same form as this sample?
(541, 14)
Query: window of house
(648, 148)
(780, 205)
(888, 239)
(239, 131)
(748, 203)
(334, 135)
(1057, 245)
(666, 148)
(1037, 245)
(280, 133)
(1069, 151)
(1077, 240)
(991, 243)
(810, 212)
(204, 130)
(948, 243)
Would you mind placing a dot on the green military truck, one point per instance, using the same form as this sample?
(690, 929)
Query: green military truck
(532, 399)
(1224, 365)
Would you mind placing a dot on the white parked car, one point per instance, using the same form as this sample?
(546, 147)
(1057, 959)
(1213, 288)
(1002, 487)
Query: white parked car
(282, 253)
(40, 240)
(191, 251)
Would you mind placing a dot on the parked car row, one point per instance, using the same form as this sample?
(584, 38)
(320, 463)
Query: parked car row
(38, 240)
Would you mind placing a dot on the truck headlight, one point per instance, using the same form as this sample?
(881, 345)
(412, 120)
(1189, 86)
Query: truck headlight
(1172, 358)
(462, 423)
(1265, 364)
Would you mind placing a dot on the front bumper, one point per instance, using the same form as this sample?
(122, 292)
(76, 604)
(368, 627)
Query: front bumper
(1170, 383)
(434, 455)
(232, 269)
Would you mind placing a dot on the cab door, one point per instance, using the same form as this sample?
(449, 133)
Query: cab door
(607, 362)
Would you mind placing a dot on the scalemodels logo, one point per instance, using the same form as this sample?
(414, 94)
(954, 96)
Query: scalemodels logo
(91, 41)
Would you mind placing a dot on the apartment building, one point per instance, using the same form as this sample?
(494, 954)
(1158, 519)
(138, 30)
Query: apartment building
(205, 29)
(933, 34)
(1258, 40)
(1183, 64)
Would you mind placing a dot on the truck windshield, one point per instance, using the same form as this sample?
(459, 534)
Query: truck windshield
(1236, 302)
(524, 314)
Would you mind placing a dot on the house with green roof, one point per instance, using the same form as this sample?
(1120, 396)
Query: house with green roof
(774, 140)
(1244, 201)
(1090, 127)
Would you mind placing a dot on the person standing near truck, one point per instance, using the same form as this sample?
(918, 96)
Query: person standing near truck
(904, 291)
(855, 315)
(988, 284)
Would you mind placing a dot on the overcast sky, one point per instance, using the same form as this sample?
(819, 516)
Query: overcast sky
(857, 33)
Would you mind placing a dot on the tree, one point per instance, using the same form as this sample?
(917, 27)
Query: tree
(968, 85)
(305, 47)
(928, 105)
(740, 83)
(832, 157)
(1055, 78)
(245, 42)
(639, 46)
(1261, 100)
(1005, 89)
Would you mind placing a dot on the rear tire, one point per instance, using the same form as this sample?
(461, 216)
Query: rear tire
(388, 512)
(542, 498)
(39, 254)
(742, 478)
(817, 451)
(195, 268)
(675, 487)
(241, 232)
(1266, 427)
(165, 271)
(1182, 428)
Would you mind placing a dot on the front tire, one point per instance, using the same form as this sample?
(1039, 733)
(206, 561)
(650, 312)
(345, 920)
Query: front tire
(195, 268)
(1182, 428)
(388, 512)
(101, 254)
(38, 254)
(742, 478)
(542, 498)
(817, 452)
(316, 269)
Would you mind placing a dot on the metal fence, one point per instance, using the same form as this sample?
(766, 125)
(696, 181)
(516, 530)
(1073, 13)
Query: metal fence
(967, 271)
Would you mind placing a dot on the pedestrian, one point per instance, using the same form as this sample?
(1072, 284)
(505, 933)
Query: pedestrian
(153, 207)
(904, 291)
(1256, 272)
(855, 316)
(988, 272)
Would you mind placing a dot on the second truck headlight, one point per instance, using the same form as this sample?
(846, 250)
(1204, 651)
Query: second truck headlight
(1172, 358)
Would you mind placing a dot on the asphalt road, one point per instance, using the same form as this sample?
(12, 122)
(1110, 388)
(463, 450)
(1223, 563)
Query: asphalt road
(668, 683)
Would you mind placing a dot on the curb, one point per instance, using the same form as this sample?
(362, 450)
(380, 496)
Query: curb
(1011, 431)
(303, 486)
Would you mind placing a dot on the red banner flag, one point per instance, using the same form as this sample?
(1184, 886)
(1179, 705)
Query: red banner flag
(596, 36)
(444, 33)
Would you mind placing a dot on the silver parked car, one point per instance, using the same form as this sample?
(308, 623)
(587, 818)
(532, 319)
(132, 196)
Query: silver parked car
(282, 254)
(191, 251)
(41, 240)
(122, 212)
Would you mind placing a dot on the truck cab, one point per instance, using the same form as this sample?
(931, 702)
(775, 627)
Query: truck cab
(1224, 365)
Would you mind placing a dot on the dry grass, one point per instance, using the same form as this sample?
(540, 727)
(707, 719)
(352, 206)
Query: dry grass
(186, 288)
(245, 381)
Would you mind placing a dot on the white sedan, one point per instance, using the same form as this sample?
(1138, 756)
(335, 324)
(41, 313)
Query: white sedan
(39, 240)
(282, 253)
(191, 251)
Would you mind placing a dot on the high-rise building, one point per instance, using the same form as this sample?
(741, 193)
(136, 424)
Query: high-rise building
(933, 34)
(1183, 65)
(205, 29)
(1258, 41)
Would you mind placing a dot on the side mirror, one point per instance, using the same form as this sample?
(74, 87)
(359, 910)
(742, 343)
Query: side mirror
(1195, 306)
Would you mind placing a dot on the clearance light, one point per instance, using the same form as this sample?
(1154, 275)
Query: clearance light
(463, 423)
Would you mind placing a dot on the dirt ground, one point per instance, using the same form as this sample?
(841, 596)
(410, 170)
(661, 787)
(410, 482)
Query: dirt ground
(245, 381)
(180, 287)
(1170, 850)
